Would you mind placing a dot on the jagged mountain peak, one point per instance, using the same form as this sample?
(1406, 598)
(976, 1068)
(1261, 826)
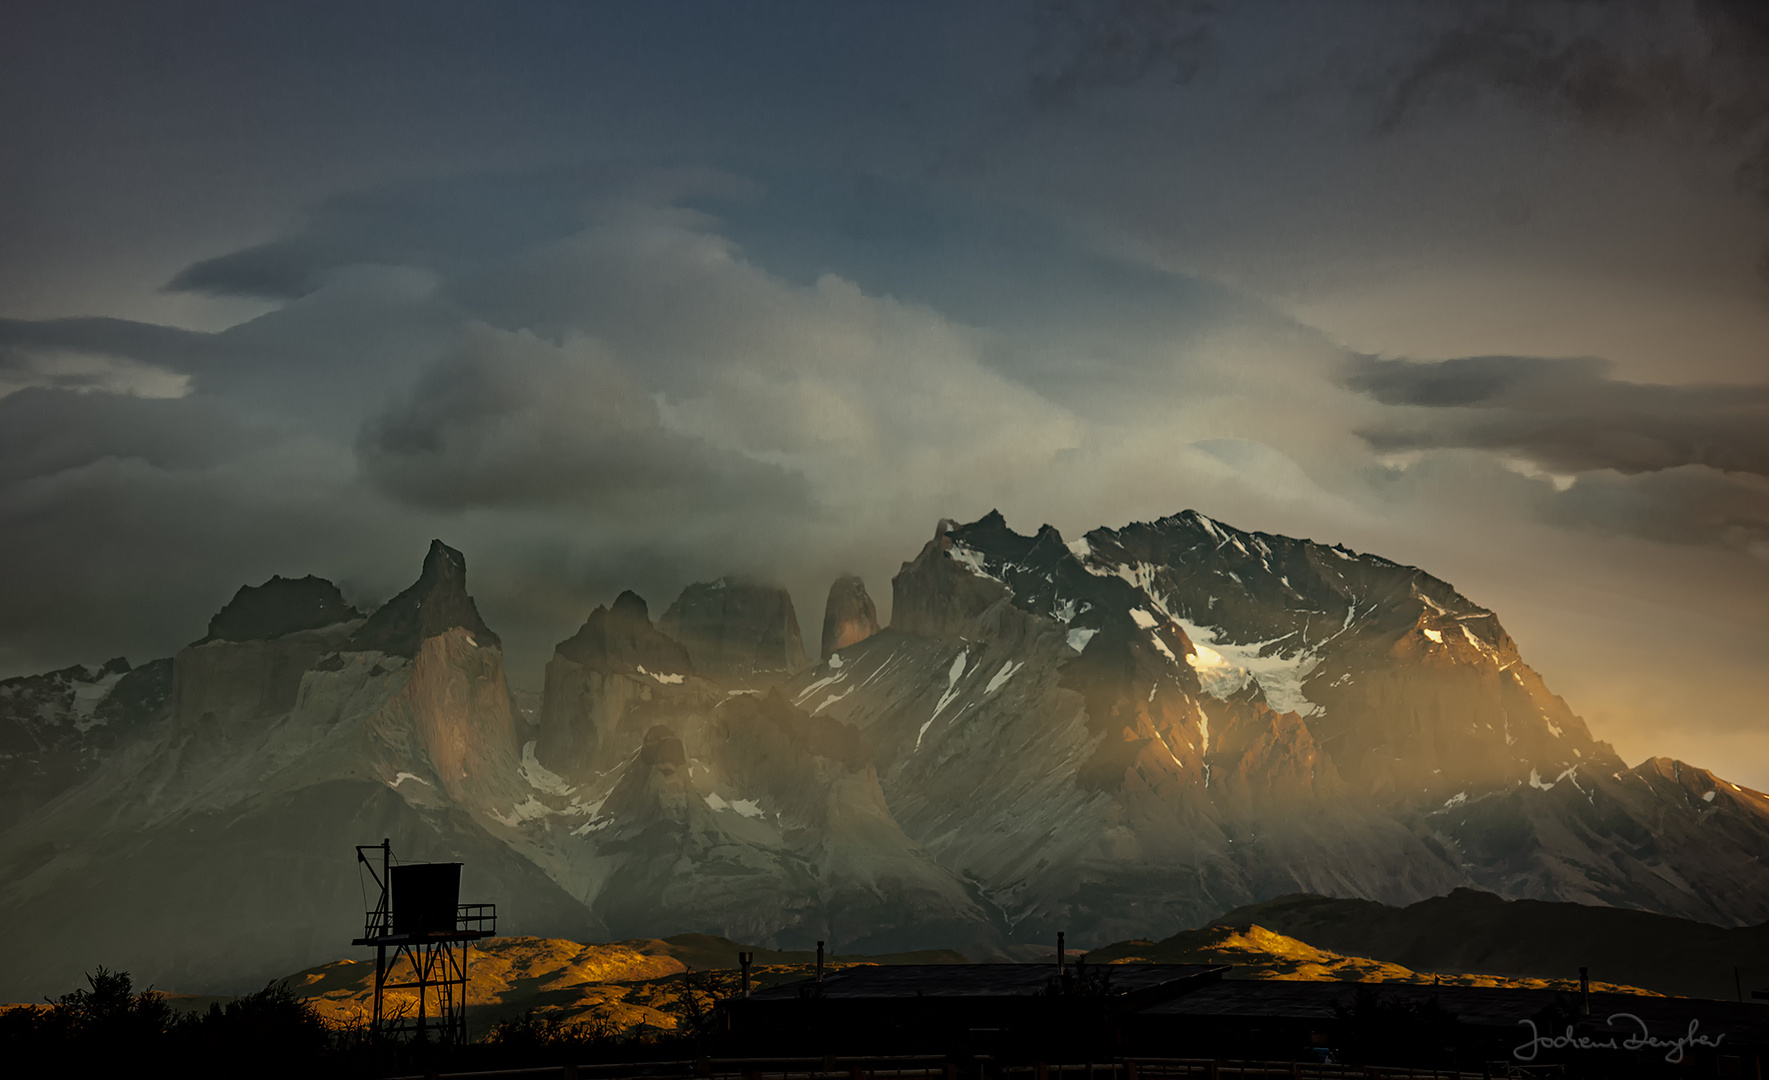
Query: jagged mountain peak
(435, 604)
(991, 533)
(737, 627)
(57, 727)
(1249, 587)
(621, 639)
(630, 605)
(849, 616)
(1331, 635)
(279, 607)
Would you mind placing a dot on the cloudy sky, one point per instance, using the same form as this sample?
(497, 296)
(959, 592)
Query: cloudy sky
(634, 295)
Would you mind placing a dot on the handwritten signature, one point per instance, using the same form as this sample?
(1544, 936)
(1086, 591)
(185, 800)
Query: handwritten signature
(1643, 1039)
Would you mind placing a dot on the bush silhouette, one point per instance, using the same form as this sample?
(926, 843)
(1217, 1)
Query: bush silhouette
(275, 1030)
(108, 1025)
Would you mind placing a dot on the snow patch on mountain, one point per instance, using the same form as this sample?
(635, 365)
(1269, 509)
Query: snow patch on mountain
(1000, 678)
(539, 776)
(1161, 647)
(667, 680)
(1536, 781)
(529, 809)
(827, 680)
(953, 674)
(1476, 642)
(88, 696)
(1224, 668)
(831, 700)
(972, 560)
(748, 808)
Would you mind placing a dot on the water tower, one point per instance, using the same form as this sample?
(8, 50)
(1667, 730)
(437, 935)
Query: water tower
(420, 932)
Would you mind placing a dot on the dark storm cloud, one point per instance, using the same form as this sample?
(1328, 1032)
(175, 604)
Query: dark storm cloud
(1690, 67)
(1087, 45)
(1620, 65)
(1566, 415)
(444, 224)
(164, 346)
(45, 431)
(1676, 464)
(1683, 505)
(513, 420)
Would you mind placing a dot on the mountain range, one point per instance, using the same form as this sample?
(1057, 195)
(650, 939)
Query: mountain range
(1118, 736)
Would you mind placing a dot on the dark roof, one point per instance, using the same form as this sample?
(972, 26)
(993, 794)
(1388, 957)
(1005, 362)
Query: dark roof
(1478, 1005)
(983, 980)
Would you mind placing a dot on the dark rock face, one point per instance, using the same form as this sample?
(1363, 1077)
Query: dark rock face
(56, 728)
(734, 628)
(934, 595)
(763, 820)
(849, 616)
(229, 682)
(615, 679)
(1413, 686)
(622, 639)
(279, 607)
(1179, 713)
(435, 604)
(275, 754)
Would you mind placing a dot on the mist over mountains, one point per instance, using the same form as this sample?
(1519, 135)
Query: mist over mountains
(1119, 735)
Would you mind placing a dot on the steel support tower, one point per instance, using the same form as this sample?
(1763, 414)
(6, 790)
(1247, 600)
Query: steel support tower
(421, 933)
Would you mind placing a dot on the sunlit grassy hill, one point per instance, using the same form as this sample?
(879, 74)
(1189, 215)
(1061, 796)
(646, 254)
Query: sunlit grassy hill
(623, 987)
(1258, 953)
(632, 987)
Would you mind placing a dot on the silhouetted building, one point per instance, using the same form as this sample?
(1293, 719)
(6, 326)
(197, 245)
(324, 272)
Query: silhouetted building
(1011, 1014)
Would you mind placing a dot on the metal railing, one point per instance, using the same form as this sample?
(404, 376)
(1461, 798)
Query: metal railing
(469, 918)
(480, 918)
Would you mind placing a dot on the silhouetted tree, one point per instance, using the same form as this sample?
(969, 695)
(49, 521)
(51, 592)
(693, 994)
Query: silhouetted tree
(696, 1005)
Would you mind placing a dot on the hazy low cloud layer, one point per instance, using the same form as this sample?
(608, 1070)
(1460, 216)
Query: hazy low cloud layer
(511, 420)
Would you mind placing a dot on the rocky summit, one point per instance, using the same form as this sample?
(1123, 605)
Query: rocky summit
(1120, 735)
(849, 616)
(738, 629)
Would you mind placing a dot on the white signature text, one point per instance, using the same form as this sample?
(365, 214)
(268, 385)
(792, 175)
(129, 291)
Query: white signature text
(1640, 1040)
